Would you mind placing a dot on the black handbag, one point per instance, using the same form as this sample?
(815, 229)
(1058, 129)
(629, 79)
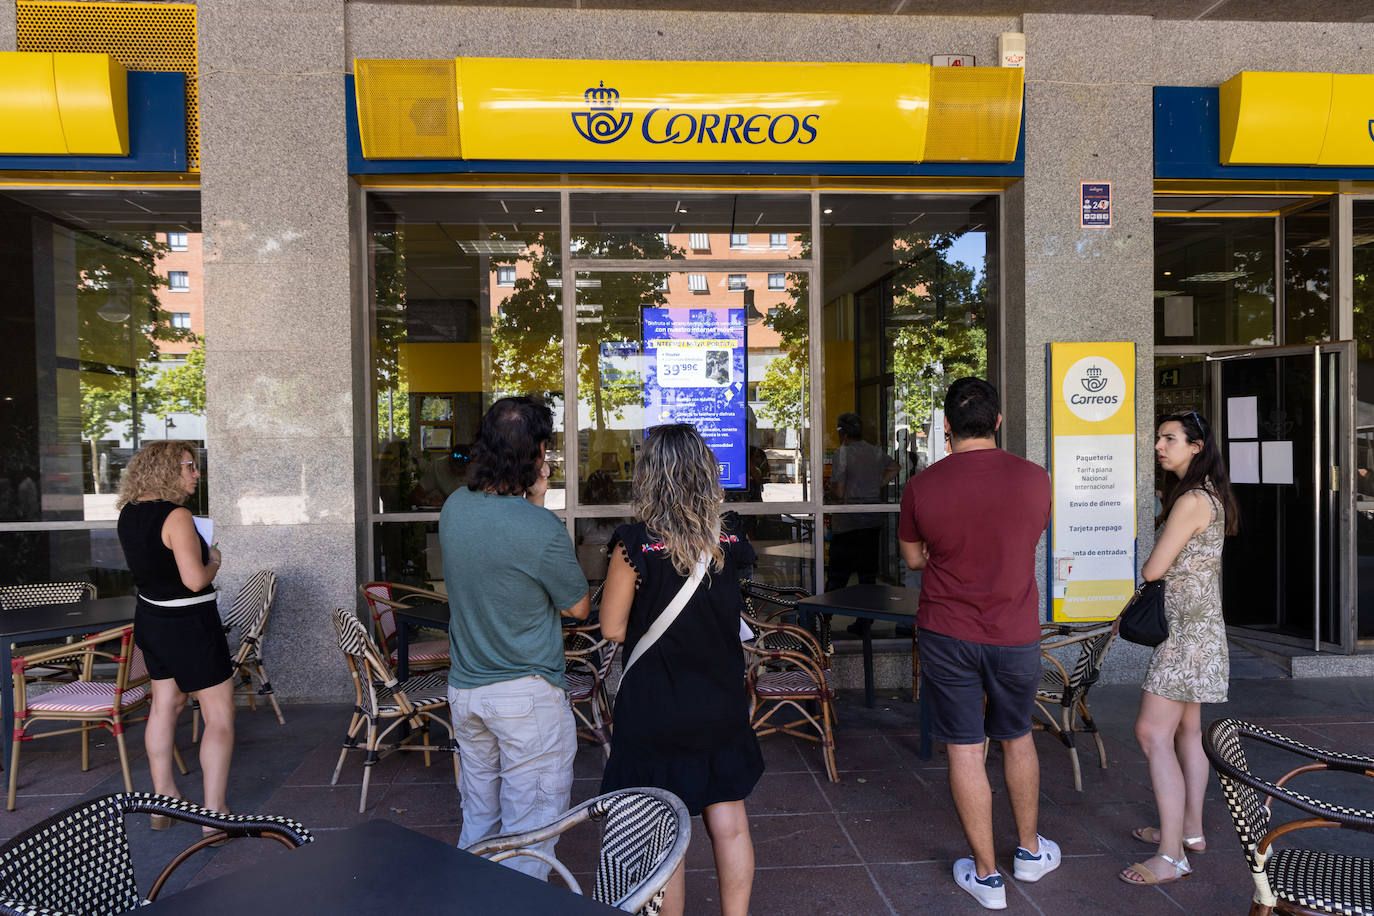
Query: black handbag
(1142, 619)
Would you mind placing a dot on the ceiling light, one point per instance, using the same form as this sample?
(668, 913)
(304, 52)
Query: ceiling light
(1215, 276)
(827, 210)
(1168, 273)
(538, 209)
(490, 247)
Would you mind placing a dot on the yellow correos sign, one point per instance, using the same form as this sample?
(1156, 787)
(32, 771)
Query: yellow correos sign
(1315, 119)
(686, 110)
(1092, 457)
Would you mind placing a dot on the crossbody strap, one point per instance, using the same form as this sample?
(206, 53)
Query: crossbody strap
(665, 620)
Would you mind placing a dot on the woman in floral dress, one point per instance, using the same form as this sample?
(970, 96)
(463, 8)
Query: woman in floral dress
(1190, 667)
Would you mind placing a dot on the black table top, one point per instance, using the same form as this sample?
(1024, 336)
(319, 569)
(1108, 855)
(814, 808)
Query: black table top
(876, 602)
(97, 614)
(426, 613)
(378, 867)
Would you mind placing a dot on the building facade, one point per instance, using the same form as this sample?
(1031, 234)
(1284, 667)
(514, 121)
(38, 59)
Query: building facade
(361, 311)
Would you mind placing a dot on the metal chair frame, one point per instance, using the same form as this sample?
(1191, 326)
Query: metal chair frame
(1298, 872)
(79, 862)
(629, 808)
(587, 657)
(248, 615)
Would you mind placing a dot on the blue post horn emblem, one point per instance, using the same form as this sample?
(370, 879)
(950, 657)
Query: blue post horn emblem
(599, 123)
(1371, 128)
(1093, 380)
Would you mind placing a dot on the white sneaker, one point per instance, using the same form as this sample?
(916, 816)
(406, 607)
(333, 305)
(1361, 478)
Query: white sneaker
(991, 891)
(1029, 867)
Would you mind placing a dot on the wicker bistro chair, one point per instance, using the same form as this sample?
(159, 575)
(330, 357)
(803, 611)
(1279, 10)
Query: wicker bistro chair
(88, 703)
(430, 651)
(1068, 691)
(13, 597)
(787, 671)
(587, 657)
(248, 615)
(1291, 880)
(78, 862)
(778, 604)
(379, 697)
(644, 835)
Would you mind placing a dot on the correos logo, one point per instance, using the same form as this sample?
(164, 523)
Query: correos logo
(603, 123)
(1094, 389)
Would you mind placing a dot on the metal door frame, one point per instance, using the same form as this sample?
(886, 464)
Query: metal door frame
(1339, 495)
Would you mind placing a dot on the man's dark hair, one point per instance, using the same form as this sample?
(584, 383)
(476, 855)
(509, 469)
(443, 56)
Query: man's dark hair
(971, 407)
(505, 458)
(851, 424)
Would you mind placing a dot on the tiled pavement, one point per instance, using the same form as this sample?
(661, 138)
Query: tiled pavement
(880, 841)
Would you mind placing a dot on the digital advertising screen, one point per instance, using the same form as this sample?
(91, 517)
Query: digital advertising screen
(694, 372)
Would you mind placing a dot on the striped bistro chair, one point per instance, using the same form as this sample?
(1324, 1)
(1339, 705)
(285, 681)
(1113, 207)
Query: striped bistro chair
(248, 615)
(789, 671)
(1069, 690)
(88, 703)
(379, 698)
(587, 657)
(13, 597)
(644, 835)
(427, 653)
(1304, 881)
(78, 862)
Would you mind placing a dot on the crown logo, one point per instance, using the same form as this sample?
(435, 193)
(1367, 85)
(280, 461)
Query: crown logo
(1093, 371)
(600, 98)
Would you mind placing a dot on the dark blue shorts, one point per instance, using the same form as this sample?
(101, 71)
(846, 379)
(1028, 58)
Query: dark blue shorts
(960, 674)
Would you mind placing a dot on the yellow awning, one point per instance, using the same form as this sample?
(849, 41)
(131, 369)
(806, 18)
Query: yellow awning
(63, 104)
(678, 111)
(1297, 119)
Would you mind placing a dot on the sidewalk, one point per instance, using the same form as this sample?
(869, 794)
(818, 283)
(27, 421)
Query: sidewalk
(881, 841)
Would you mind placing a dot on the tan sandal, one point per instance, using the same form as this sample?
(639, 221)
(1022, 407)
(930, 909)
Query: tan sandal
(159, 821)
(1150, 837)
(1143, 875)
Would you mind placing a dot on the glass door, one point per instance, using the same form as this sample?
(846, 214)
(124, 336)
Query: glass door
(1285, 416)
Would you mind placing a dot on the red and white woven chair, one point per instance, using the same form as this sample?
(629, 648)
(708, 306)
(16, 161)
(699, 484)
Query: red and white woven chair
(430, 652)
(788, 672)
(87, 702)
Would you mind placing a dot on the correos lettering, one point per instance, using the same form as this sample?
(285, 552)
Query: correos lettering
(1094, 399)
(731, 127)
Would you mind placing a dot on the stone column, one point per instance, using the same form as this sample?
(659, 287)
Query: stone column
(1089, 117)
(9, 25)
(280, 324)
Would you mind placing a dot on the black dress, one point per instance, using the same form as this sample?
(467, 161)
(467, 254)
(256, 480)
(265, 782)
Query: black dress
(185, 643)
(682, 712)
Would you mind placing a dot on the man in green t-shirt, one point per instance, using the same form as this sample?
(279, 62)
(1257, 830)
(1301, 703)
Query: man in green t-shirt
(510, 570)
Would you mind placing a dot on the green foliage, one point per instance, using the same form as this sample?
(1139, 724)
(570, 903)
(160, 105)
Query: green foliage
(180, 389)
(393, 391)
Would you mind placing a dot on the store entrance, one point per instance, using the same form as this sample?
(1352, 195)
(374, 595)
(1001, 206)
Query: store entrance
(1286, 431)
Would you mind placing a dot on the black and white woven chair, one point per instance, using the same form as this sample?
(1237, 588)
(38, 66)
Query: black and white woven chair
(1067, 691)
(644, 835)
(14, 597)
(787, 673)
(78, 862)
(248, 615)
(379, 697)
(1302, 881)
(587, 658)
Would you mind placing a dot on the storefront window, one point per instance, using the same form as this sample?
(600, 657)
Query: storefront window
(1363, 254)
(1214, 281)
(1307, 269)
(468, 306)
(102, 355)
(682, 226)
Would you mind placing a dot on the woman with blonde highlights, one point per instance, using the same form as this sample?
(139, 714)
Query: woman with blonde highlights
(176, 622)
(682, 711)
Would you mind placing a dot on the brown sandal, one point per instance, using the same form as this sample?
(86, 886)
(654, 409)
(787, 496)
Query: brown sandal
(1144, 876)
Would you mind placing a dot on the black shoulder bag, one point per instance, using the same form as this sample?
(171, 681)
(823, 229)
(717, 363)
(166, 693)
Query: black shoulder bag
(1142, 620)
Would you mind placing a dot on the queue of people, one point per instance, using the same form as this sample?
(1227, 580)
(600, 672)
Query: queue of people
(970, 523)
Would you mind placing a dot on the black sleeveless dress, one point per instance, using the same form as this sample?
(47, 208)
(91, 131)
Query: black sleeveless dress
(184, 643)
(682, 712)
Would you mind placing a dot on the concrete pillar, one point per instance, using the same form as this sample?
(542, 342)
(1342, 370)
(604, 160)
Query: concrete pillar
(282, 399)
(1089, 117)
(9, 26)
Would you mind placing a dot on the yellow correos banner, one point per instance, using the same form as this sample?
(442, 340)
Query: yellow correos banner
(1092, 457)
(686, 110)
(1322, 119)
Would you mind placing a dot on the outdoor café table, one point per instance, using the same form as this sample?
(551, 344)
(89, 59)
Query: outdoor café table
(426, 614)
(44, 622)
(869, 603)
(378, 867)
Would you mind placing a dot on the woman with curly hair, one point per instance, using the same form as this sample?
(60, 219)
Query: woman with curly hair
(672, 596)
(176, 622)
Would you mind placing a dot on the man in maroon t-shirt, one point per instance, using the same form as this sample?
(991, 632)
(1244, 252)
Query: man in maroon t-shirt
(971, 521)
